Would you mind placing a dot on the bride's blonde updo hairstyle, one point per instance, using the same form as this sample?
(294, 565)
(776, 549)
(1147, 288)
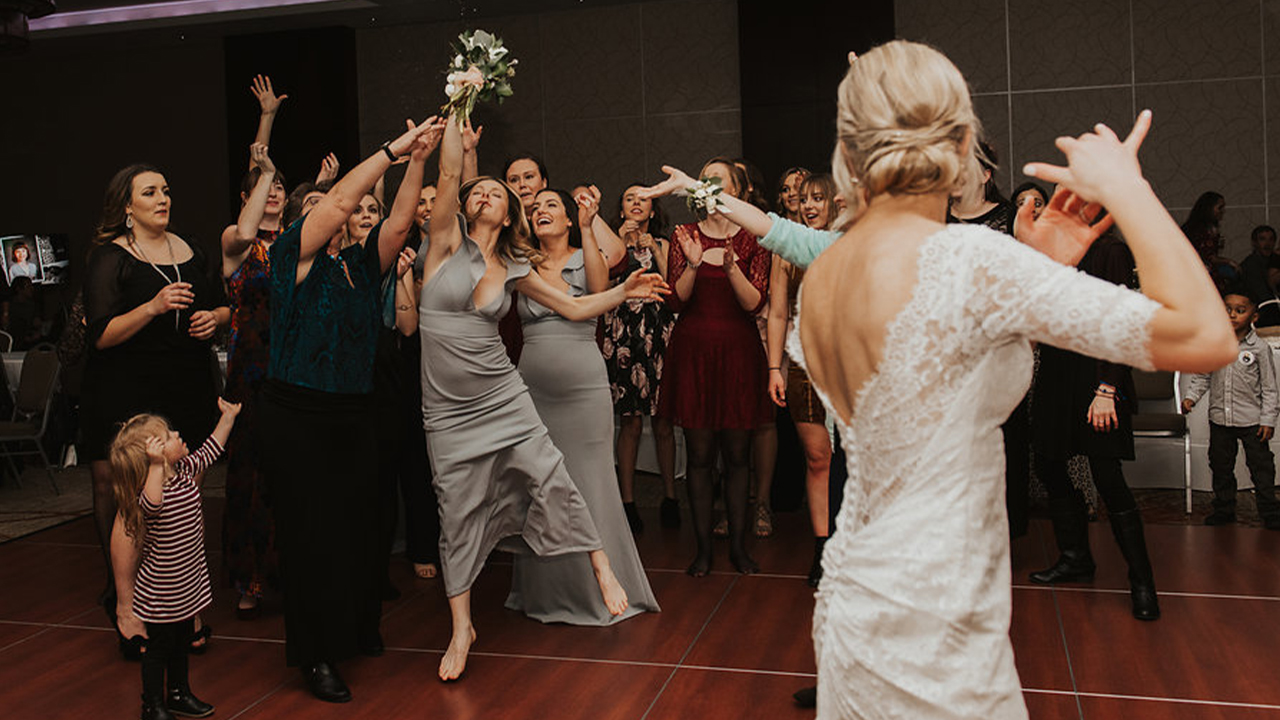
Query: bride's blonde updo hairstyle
(904, 114)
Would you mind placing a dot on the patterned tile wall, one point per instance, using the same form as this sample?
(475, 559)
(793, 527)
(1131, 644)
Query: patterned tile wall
(606, 94)
(1209, 70)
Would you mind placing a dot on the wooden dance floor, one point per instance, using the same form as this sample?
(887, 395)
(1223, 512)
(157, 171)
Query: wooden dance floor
(723, 647)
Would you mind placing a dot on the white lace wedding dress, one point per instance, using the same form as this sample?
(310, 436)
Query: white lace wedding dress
(912, 618)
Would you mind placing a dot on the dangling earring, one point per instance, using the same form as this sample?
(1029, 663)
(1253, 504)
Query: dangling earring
(128, 221)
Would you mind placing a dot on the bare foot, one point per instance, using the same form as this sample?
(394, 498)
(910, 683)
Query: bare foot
(426, 571)
(455, 658)
(615, 598)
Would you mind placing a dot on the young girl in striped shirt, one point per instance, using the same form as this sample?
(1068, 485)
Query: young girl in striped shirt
(158, 492)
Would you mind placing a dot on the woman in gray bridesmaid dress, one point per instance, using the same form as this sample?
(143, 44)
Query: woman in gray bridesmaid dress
(567, 380)
(497, 474)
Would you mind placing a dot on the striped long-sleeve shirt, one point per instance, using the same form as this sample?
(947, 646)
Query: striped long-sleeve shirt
(173, 579)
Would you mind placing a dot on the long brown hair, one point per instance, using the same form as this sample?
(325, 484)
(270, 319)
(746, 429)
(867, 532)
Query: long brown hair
(513, 240)
(130, 465)
(825, 184)
(119, 193)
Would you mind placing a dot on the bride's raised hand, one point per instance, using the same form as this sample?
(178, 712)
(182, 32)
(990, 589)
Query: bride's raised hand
(1100, 167)
(641, 285)
(677, 180)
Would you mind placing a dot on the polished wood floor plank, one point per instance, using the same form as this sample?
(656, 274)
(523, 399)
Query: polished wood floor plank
(49, 583)
(1120, 709)
(720, 694)
(1038, 651)
(763, 624)
(404, 685)
(1201, 649)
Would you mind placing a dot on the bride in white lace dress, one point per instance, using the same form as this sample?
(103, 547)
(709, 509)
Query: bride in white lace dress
(918, 336)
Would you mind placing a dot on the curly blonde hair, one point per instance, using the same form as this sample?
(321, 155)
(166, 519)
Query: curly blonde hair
(129, 467)
(905, 125)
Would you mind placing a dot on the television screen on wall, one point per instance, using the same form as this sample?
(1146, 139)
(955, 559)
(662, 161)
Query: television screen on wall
(46, 259)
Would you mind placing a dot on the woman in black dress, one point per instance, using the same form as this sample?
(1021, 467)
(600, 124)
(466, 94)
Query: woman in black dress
(152, 306)
(1085, 407)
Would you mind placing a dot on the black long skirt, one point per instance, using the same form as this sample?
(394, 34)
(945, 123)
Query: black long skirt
(319, 457)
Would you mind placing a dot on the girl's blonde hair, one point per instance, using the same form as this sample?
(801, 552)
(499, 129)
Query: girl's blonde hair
(129, 467)
(905, 125)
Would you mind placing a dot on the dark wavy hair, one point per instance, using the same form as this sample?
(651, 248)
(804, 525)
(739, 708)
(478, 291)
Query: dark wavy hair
(513, 240)
(293, 204)
(119, 193)
(250, 179)
(990, 162)
(782, 182)
(659, 223)
(570, 210)
(1044, 195)
(1201, 214)
(755, 184)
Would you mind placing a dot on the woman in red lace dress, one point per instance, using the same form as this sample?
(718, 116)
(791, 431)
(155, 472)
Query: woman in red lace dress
(716, 370)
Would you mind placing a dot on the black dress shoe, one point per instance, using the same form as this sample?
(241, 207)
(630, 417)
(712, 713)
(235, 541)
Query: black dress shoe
(182, 703)
(1072, 566)
(323, 682)
(154, 709)
(806, 698)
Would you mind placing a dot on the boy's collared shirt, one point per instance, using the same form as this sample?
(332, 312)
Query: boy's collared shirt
(1243, 393)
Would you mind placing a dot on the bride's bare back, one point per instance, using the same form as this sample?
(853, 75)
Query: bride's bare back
(855, 289)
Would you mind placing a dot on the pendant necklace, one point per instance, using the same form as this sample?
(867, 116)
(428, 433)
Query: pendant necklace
(177, 313)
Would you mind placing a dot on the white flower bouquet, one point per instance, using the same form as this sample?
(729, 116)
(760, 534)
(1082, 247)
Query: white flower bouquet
(703, 197)
(481, 69)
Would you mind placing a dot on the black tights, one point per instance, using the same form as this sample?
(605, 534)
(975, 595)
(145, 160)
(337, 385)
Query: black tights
(1108, 477)
(167, 645)
(734, 446)
(104, 515)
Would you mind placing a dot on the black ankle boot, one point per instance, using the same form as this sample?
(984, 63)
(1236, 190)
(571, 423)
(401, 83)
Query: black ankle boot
(324, 682)
(633, 517)
(182, 703)
(1071, 530)
(1127, 527)
(815, 570)
(154, 709)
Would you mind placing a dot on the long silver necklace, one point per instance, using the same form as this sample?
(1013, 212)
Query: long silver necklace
(177, 313)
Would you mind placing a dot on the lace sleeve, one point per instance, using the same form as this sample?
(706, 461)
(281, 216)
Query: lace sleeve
(758, 264)
(1017, 291)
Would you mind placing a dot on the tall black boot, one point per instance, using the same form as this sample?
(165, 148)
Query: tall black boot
(1071, 530)
(1127, 527)
(815, 570)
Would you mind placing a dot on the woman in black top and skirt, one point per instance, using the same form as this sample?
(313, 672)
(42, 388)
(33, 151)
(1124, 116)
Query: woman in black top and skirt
(152, 306)
(316, 417)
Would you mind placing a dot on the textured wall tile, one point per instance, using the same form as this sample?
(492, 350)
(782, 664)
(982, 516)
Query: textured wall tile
(993, 111)
(606, 152)
(1273, 140)
(690, 56)
(1054, 44)
(1206, 136)
(1040, 118)
(592, 63)
(1193, 39)
(971, 32)
(1237, 224)
(687, 141)
(1271, 35)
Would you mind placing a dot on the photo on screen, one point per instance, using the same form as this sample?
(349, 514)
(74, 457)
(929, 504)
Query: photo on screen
(43, 258)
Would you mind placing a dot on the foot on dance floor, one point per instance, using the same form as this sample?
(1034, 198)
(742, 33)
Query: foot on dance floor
(700, 566)
(426, 571)
(743, 562)
(615, 598)
(455, 658)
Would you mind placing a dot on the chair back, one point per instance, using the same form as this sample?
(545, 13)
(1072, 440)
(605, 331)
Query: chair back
(6, 342)
(37, 383)
(1157, 385)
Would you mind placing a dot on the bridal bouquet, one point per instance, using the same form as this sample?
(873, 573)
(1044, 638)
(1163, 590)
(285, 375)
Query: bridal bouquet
(481, 69)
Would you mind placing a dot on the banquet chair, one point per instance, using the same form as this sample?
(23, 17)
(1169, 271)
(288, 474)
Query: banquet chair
(1162, 385)
(31, 405)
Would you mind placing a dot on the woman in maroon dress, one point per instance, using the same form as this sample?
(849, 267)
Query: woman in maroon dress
(716, 368)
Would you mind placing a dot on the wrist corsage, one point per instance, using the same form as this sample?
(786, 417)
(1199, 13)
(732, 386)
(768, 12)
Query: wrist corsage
(703, 197)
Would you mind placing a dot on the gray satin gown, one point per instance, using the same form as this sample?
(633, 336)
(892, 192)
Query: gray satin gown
(497, 474)
(562, 366)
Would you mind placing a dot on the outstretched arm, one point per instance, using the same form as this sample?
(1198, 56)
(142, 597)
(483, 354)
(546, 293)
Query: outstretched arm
(396, 229)
(236, 246)
(638, 286)
(443, 227)
(319, 226)
(470, 159)
(269, 103)
(592, 260)
(1190, 331)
